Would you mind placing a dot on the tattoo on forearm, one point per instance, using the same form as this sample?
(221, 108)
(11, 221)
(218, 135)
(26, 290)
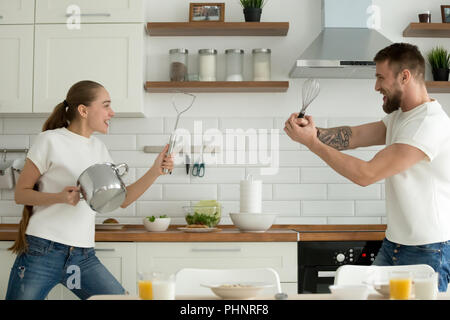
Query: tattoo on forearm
(338, 138)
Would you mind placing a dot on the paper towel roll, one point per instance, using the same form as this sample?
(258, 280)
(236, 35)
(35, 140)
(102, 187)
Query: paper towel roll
(251, 196)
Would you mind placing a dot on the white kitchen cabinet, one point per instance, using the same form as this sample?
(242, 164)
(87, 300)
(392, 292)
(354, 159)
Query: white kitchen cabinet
(119, 258)
(16, 65)
(98, 11)
(171, 257)
(7, 259)
(111, 54)
(16, 12)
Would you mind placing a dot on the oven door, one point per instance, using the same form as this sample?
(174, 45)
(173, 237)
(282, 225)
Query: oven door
(315, 279)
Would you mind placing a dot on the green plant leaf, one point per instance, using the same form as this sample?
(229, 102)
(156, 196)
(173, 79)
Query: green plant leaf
(253, 3)
(439, 57)
(164, 216)
(151, 219)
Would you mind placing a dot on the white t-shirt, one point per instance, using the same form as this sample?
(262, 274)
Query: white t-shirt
(61, 156)
(418, 199)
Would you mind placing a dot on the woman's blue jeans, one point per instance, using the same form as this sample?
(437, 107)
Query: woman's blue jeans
(437, 255)
(47, 263)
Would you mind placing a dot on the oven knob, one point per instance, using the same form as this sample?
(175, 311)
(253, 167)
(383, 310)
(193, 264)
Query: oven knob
(340, 257)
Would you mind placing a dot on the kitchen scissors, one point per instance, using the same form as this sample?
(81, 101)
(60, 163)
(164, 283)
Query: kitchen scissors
(198, 170)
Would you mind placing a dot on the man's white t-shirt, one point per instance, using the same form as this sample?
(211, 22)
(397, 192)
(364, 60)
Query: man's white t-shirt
(418, 199)
(61, 156)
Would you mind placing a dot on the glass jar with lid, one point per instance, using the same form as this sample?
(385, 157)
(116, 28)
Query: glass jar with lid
(261, 64)
(178, 64)
(234, 64)
(207, 59)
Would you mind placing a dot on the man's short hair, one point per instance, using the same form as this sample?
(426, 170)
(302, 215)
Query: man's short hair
(401, 56)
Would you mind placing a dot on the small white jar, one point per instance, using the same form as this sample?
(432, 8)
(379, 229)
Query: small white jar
(207, 64)
(261, 64)
(234, 62)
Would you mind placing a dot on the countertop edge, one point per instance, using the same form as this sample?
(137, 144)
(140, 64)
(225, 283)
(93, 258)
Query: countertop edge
(278, 233)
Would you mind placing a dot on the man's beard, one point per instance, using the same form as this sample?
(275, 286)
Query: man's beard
(393, 103)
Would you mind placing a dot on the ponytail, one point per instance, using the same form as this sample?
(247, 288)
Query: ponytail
(58, 118)
(21, 245)
(83, 92)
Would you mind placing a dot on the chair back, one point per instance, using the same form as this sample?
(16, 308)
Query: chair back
(188, 280)
(352, 274)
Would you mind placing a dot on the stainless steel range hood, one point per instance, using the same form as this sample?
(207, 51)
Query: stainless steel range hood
(346, 46)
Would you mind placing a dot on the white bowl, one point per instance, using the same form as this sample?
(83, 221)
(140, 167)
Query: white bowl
(253, 222)
(246, 290)
(350, 291)
(160, 224)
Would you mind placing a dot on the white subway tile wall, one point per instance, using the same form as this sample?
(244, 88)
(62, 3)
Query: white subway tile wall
(305, 190)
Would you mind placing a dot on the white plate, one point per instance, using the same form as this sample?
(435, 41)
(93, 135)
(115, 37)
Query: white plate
(109, 226)
(249, 290)
(198, 230)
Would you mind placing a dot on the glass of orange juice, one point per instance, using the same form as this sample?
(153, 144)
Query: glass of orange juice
(145, 285)
(400, 283)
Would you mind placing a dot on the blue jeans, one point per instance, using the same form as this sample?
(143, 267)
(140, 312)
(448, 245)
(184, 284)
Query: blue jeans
(437, 255)
(47, 263)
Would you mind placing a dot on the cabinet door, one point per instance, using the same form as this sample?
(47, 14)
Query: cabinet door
(16, 11)
(107, 11)
(119, 258)
(16, 65)
(111, 54)
(171, 257)
(7, 259)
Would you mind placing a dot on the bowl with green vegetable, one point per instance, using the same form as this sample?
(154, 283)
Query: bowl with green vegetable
(204, 213)
(156, 224)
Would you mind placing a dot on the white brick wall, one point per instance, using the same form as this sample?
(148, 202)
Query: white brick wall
(304, 191)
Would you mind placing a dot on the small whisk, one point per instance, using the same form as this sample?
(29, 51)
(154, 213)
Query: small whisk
(310, 91)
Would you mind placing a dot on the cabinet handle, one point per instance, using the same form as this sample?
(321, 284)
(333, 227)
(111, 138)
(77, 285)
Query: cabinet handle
(105, 250)
(326, 274)
(89, 15)
(216, 250)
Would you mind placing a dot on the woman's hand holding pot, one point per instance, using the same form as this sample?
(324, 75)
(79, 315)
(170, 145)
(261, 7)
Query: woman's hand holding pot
(70, 195)
(163, 161)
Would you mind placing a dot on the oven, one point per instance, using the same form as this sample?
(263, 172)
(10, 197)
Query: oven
(318, 261)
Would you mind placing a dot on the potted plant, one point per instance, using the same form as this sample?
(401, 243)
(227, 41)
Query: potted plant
(253, 9)
(439, 59)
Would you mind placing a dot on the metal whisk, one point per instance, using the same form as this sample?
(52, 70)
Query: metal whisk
(310, 90)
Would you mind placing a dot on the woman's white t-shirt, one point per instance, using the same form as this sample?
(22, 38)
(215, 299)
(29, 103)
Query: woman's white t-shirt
(418, 199)
(61, 156)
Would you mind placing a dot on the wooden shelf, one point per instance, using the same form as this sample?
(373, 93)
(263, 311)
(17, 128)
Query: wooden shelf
(173, 29)
(217, 86)
(428, 30)
(438, 86)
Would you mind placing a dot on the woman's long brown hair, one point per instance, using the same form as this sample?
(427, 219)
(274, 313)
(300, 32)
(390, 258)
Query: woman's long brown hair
(83, 92)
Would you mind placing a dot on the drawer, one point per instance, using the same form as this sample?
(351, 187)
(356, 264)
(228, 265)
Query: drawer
(170, 257)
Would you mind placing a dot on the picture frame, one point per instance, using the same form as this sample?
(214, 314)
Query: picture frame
(445, 12)
(207, 12)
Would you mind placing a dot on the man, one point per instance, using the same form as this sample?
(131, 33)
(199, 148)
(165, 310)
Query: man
(415, 161)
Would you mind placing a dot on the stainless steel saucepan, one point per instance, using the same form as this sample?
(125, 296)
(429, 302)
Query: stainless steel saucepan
(102, 187)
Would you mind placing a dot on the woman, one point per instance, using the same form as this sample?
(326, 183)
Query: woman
(57, 232)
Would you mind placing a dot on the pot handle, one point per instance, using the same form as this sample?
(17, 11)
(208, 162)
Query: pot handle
(81, 191)
(119, 166)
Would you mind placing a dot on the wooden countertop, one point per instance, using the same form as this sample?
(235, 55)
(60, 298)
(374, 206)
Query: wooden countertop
(228, 233)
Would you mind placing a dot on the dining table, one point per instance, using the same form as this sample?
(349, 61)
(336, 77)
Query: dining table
(302, 296)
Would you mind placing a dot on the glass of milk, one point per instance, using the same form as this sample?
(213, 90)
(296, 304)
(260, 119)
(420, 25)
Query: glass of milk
(163, 286)
(426, 285)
